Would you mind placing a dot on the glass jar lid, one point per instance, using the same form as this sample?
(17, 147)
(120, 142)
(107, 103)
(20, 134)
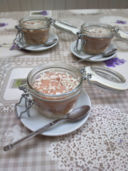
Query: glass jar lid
(105, 78)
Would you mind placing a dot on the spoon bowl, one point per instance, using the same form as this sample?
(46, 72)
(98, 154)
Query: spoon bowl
(50, 42)
(78, 114)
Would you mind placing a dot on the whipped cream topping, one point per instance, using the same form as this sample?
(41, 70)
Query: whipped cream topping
(55, 82)
(34, 24)
(96, 31)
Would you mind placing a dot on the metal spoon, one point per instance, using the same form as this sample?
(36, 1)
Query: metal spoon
(109, 53)
(50, 42)
(75, 115)
(104, 55)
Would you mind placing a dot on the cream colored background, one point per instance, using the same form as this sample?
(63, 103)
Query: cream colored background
(20, 5)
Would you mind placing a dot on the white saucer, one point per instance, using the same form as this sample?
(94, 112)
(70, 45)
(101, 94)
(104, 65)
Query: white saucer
(36, 121)
(37, 48)
(96, 58)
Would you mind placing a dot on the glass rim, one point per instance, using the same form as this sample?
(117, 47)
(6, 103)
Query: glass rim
(48, 66)
(35, 18)
(107, 26)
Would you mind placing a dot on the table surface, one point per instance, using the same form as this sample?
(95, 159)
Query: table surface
(102, 142)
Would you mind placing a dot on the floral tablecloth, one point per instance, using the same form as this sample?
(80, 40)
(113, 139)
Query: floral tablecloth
(102, 142)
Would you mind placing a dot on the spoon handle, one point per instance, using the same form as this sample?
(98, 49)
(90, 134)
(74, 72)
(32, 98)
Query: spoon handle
(31, 135)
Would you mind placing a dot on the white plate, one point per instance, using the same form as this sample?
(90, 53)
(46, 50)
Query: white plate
(37, 48)
(96, 58)
(36, 121)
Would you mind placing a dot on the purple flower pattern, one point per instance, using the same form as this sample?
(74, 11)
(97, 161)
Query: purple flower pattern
(121, 22)
(120, 141)
(114, 62)
(44, 12)
(14, 46)
(3, 24)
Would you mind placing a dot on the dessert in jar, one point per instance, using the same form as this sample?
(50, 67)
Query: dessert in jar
(35, 29)
(96, 38)
(55, 88)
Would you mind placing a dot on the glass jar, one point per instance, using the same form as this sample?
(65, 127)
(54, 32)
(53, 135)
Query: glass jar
(95, 38)
(35, 29)
(55, 104)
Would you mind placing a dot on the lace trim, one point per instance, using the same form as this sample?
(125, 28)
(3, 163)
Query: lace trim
(101, 144)
(11, 135)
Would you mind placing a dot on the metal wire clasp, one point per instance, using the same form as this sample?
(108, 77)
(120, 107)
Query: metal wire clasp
(19, 35)
(85, 74)
(25, 100)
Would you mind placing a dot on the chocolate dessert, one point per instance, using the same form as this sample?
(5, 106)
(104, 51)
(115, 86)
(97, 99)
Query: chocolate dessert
(96, 38)
(55, 90)
(35, 30)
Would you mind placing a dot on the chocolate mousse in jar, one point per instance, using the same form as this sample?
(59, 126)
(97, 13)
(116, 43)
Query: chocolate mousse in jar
(96, 38)
(55, 88)
(35, 29)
